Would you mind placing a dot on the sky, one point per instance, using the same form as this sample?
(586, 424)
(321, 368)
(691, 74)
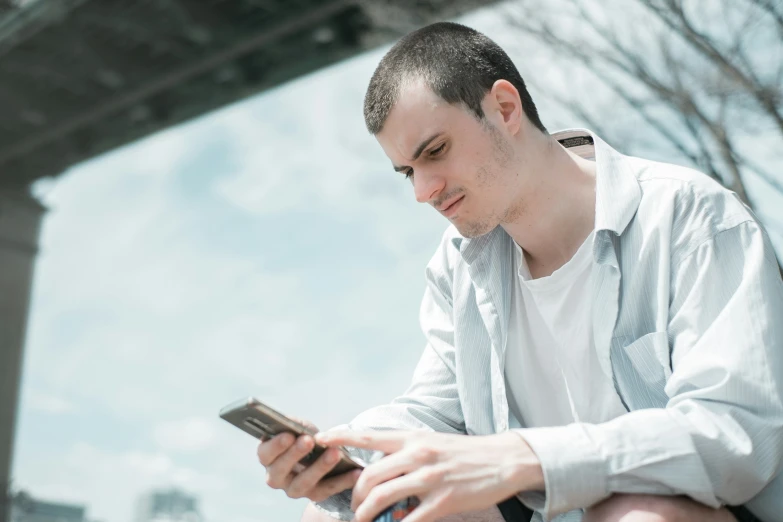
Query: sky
(264, 249)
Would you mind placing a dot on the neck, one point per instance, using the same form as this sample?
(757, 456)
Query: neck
(559, 207)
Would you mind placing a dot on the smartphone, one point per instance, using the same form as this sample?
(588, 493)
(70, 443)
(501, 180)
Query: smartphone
(261, 421)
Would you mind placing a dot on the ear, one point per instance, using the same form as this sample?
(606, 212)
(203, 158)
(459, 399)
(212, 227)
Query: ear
(504, 99)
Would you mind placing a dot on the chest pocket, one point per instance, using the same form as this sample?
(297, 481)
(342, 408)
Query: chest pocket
(641, 368)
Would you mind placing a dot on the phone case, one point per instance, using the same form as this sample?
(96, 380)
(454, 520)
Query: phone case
(398, 511)
(261, 421)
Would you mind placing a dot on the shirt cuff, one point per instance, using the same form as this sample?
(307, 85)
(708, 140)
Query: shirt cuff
(575, 475)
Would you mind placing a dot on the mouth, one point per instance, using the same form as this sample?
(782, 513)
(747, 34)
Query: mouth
(450, 208)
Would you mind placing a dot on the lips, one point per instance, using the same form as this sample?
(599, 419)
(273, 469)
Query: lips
(450, 207)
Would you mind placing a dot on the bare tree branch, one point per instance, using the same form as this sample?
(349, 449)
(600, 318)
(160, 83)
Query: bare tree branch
(769, 6)
(676, 19)
(694, 91)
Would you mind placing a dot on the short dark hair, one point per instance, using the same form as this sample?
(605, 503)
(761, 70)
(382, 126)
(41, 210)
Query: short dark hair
(458, 63)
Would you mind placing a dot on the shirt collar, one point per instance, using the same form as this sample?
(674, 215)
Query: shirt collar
(617, 193)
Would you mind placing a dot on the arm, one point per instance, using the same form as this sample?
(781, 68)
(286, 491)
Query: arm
(720, 437)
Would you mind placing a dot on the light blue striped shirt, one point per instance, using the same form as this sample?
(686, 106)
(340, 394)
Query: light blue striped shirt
(687, 322)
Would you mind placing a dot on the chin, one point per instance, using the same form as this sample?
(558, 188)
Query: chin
(471, 230)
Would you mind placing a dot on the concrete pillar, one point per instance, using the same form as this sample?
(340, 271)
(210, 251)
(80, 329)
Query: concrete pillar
(20, 218)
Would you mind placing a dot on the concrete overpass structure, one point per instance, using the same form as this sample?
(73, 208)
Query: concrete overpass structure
(82, 77)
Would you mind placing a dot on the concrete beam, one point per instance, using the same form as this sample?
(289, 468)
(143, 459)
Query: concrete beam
(20, 218)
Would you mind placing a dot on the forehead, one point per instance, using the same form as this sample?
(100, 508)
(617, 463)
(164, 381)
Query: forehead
(418, 113)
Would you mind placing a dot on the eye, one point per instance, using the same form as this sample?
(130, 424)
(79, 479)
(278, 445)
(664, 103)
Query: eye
(408, 174)
(438, 150)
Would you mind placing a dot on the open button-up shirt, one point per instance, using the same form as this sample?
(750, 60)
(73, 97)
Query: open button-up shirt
(687, 322)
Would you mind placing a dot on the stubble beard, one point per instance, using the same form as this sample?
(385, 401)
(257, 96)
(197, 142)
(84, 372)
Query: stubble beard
(474, 229)
(482, 225)
(487, 176)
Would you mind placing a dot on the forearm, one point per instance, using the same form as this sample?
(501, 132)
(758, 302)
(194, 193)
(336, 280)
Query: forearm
(693, 451)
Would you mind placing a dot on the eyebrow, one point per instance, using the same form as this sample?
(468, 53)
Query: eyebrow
(418, 151)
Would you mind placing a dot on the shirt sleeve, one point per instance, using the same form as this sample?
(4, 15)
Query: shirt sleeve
(431, 402)
(719, 439)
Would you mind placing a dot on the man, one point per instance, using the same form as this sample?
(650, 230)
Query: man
(608, 330)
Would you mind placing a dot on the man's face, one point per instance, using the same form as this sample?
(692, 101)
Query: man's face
(463, 167)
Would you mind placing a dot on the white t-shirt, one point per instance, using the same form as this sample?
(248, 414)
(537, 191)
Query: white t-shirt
(553, 376)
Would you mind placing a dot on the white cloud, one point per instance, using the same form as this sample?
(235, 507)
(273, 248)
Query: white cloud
(110, 482)
(148, 315)
(317, 173)
(186, 435)
(143, 318)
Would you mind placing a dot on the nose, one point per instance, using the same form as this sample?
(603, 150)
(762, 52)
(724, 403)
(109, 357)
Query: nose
(426, 186)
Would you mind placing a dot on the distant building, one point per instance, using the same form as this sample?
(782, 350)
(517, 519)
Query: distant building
(167, 506)
(25, 508)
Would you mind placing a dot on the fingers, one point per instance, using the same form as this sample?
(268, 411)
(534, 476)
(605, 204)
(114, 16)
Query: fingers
(334, 485)
(387, 468)
(385, 441)
(308, 478)
(281, 455)
(279, 471)
(272, 448)
(386, 494)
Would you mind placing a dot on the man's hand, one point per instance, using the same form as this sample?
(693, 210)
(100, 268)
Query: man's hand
(448, 473)
(280, 456)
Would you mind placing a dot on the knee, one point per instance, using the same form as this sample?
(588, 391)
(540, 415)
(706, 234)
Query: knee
(653, 508)
(627, 508)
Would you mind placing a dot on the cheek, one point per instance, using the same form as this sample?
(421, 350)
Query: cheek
(491, 176)
(484, 177)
